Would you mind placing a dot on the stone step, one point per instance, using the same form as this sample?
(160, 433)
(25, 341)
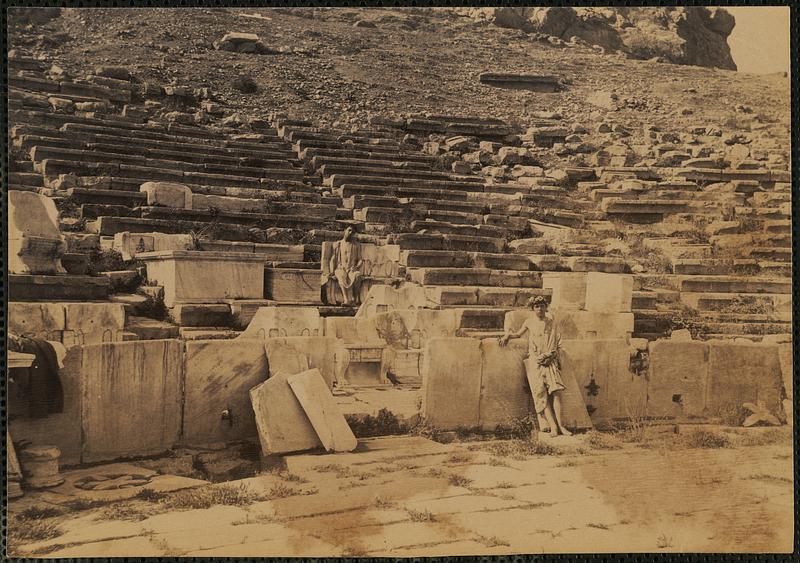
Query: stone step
(338, 180)
(47, 154)
(349, 153)
(644, 300)
(109, 226)
(435, 259)
(478, 333)
(25, 179)
(733, 284)
(57, 288)
(383, 172)
(765, 177)
(159, 139)
(754, 302)
(311, 215)
(715, 267)
(25, 137)
(349, 190)
(392, 165)
(475, 277)
(483, 296)
(778, 226)
(151, 329)
(53, 168)
(303, 145)
(443, 205)
(597, 264)
(442, 227)
(437, 241)
(105, 197)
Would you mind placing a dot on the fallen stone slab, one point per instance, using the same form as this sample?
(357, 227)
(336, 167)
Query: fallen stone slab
(318, 404)
(534, 82)
(283, 425)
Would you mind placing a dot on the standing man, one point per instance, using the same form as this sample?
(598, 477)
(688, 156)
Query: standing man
(542, 364)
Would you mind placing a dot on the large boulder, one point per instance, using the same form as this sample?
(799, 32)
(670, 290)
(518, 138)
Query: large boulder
(681, 35)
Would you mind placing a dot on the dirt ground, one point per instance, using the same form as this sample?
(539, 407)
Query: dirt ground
(698, 489)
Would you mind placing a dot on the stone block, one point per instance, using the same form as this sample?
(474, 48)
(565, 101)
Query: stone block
(382, 298)
(131, 398)
(218, 376)
(505, 396)
(63, 429)
(608, 293)
(130, 244)
(283, 425)
(607, 386)
(40, 320)
(94, 317)
(292, 285)
(167, 194)
(380, 261)
(35, 244)
(205, 277)
(271, 322)
(201, 314)
(743, 373)
(568, 289)
(317, 401)
(451, 383)
(678, 379)
(293, 354)
(787, 367)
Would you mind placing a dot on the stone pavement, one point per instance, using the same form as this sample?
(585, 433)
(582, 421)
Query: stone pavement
(409, 496)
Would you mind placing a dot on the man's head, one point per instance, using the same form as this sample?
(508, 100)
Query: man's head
(348, 233)
(539, 305)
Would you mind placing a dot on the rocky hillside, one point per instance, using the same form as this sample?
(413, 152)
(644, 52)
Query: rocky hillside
(344, 65)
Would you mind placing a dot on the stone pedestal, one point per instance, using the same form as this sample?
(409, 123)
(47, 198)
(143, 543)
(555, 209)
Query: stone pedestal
(167, 194)
(568, 289)
(205, 277)
(131, 244)
(40, 466)
(35, 244)
(271, 322)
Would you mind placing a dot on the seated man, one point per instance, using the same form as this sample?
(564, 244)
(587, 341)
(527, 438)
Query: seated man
(344, 266)
(542, 364)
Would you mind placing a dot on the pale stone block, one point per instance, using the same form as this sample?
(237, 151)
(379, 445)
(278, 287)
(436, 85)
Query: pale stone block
(93, 317)
(63, 429)
(451, 383)
(131, 398)
(218, 375)
(130, 244)
(42, 320)
(294, 354)
(321, 409)
(70, 338)
(743, 373)
(568, 289)
(505, 396)
(380, 261)
(352, 329)
(167, 194)
(205, 277)
(35, 245)
(608, 293)
(678, 379)
(271, 322)
(283, 425)
(602, 371)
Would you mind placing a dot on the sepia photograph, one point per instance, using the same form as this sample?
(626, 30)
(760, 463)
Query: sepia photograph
(359, 281)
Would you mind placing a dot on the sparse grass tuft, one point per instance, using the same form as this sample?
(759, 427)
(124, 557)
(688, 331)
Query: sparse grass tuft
(420, 515)
(149, 495)
(40, 512)
(504, 485)
(603, 441)
(493, 541)
(21, 531)
(459, 480)
(206, 497)
(664, 541)
(381, 502)
(762, 438)
(281, 490)
(767, 477)
(567, 463)
(497, 462)
(701, 438)
(255, 519)
(521, 449)
(460, 457)
(598, 526)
